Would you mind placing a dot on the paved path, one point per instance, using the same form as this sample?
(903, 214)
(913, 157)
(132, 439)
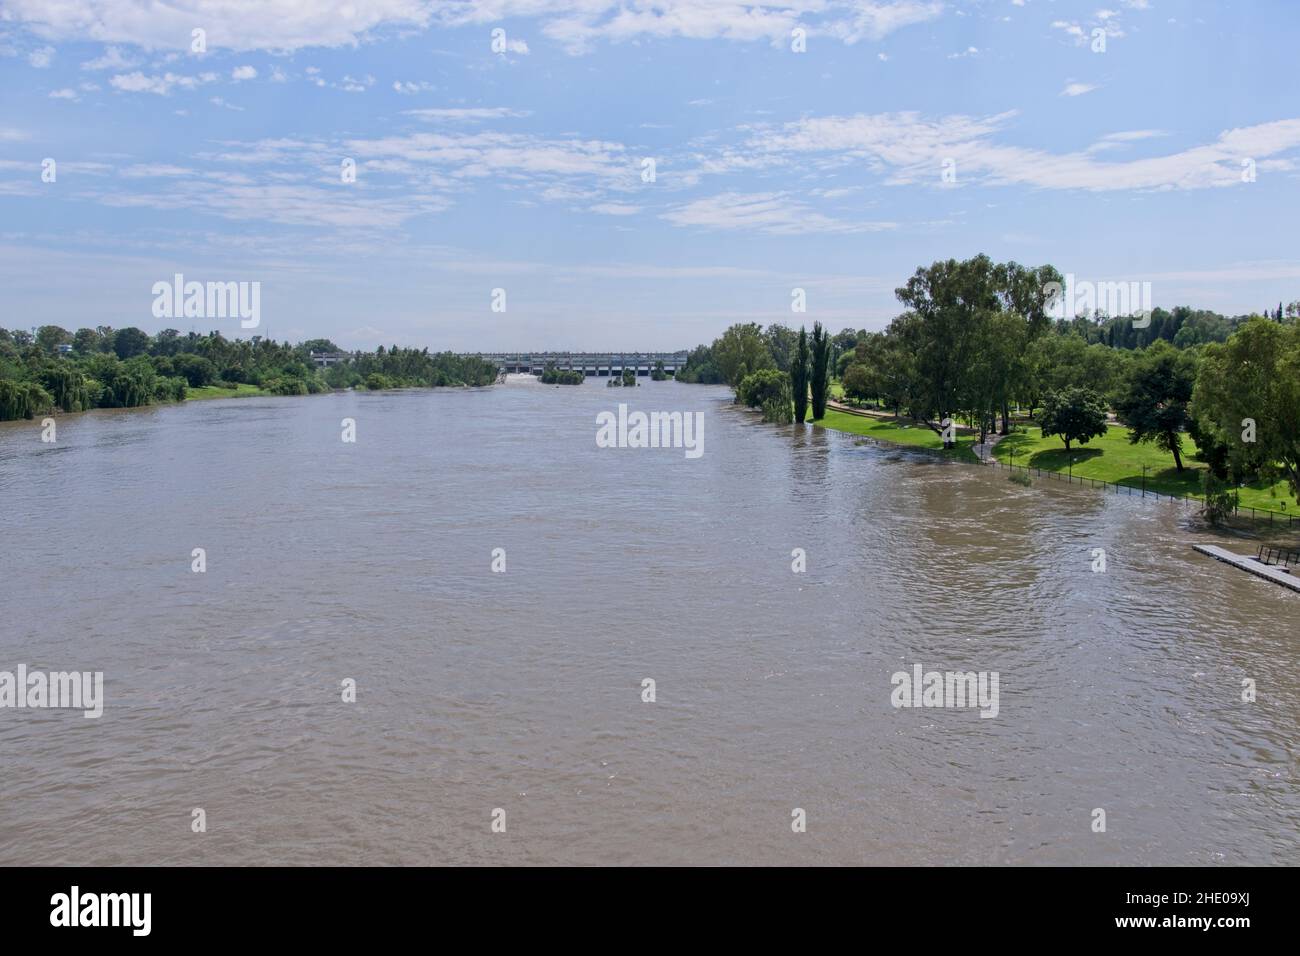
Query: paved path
(984, 451)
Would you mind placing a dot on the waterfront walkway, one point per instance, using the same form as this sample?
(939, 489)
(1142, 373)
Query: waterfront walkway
(1247, 563)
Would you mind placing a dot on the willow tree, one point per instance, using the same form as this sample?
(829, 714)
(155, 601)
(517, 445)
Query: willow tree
(23, 400)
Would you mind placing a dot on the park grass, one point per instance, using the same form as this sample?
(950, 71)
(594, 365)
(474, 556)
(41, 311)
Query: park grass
(1113, 458)
(896, 432)
(205, 392)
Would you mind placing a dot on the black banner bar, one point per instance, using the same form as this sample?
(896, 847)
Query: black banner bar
(954, 907)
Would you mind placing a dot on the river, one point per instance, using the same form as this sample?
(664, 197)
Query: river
(522, 690)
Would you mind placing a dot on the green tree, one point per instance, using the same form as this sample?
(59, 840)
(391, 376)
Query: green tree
(700, 367)
(781, 343)
(740, 350)
(895, 364)
(130, 342)
(768, 389)
(954, 303)
(819, 379)
(858, 382)
(50, 337)
(196, 370)
(1156, 398)
(1076, 414)
(1254, 379)
(23, 400)
(799, 378)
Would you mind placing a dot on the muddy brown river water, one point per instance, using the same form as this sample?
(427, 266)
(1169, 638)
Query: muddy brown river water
(522, 690)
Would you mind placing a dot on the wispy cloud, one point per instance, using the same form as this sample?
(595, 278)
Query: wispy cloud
(907, 148)
(158, 84)
(112, 59)
(466, 114)
(771, 213)
(574, 24)
(1077, 89)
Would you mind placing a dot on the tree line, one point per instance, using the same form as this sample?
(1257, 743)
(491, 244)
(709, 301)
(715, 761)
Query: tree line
(53, 369)
(977, 338)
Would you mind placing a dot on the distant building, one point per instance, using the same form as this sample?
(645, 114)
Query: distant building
(65, 349)
(326, 359)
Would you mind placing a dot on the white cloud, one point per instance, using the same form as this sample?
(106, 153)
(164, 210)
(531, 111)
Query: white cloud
(509, 158)
(466, 114)
(243, 73)
(41, 58)
(160, 85)
(266, 25)
(1106, 22)
(64, 94)
(411, 87)
(771, 213)
(151, 170)
(112, 59)
(1077, 89)
(353, 85)
(288, 25)
(577, 25)
(615, 209)
(909, 149)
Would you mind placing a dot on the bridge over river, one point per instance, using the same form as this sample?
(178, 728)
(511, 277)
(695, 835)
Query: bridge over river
(589, 363)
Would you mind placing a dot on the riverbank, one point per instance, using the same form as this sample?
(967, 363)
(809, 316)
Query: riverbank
(898, 433)
(208, 392)
(1110, 458)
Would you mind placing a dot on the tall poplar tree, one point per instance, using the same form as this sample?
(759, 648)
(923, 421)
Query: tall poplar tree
(821, 359)
(799, 378)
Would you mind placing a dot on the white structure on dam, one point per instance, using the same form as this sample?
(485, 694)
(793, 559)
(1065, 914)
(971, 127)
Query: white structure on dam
(589, 363)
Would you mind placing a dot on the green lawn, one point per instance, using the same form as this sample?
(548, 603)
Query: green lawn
(1110, 458)
(211, 391)
(1113, 458)
(899, 433)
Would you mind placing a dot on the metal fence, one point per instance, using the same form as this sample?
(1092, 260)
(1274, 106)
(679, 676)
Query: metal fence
(1284, 557)
(1256, 514)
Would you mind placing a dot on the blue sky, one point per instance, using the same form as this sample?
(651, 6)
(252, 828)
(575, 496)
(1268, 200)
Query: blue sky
(523, 170)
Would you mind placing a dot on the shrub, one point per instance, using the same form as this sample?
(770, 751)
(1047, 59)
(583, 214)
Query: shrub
(769, 390)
